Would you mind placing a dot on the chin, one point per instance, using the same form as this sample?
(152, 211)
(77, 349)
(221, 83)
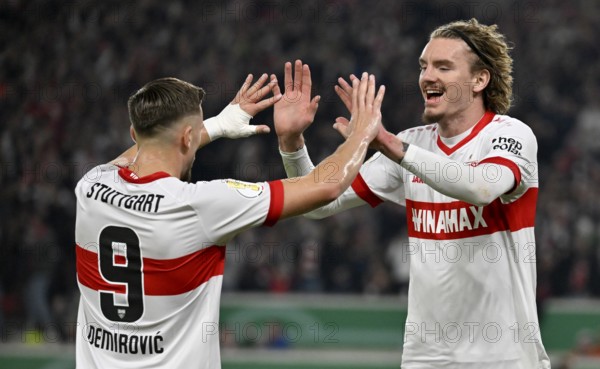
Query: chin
(430, 117)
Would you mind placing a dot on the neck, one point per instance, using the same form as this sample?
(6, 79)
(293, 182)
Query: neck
(460, 123)
(153, 158)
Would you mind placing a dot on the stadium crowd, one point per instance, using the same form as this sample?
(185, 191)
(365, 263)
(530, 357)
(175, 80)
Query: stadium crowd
(67, 69)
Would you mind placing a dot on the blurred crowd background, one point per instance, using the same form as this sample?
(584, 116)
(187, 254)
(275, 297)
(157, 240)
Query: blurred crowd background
(67, 69)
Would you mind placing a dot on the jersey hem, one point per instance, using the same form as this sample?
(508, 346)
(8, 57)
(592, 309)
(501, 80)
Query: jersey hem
(507, 163)
(276, 206)
(363, 191)
(131, 177)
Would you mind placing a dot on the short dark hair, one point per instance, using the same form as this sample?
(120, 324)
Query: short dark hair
(161, 102)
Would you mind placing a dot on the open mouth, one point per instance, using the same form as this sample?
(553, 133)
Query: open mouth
(433, 95)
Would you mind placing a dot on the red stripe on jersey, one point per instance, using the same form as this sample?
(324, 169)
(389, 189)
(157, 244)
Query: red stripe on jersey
(507, 163)
(364, 192)
(484, 121)
(162, 277)
(131, 177)
(458, 219)
(276, 206)
(183, 274)
(88, 273)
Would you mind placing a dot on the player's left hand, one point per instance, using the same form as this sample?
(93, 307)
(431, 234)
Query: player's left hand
(252, 98)
(234, 120)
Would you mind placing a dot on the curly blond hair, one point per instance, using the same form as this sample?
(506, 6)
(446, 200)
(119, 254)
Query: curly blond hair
(492, 53)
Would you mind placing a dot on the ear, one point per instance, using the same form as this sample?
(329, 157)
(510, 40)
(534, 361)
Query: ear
(187, 137)
(132, 133)
(482, 79)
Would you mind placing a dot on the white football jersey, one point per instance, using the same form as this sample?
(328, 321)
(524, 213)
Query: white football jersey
(472, 287)
(150, 258)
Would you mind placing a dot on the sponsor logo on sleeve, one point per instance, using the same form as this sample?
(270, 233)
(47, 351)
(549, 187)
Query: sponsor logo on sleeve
(507, 144)
(246, 189)
(416, 179)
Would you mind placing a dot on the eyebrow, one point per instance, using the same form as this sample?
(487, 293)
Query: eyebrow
(437, 62)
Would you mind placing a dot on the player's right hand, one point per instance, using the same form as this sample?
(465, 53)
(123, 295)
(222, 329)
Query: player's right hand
(366, 108)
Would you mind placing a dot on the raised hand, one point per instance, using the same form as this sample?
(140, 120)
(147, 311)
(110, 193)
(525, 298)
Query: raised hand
(296, 110)
(366, 108)
(344, 91)
(330, 178)
(253, 97)
(234, 120)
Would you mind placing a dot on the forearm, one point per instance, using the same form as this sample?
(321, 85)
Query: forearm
(478, 185)
(298, 164)
(289, 144)
(339, 169)
(328, 180)
(347, 200)
(391, 146)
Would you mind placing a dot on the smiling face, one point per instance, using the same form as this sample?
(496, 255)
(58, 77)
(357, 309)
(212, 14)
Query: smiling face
(449, 87)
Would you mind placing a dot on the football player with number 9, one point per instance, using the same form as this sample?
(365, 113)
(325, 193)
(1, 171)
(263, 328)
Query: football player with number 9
(151, 246)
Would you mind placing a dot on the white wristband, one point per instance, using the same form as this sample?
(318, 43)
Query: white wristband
(232, 122)
(297, 163)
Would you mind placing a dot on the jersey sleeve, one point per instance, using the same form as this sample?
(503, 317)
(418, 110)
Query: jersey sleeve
(92, 176)
(380, 179)
(228, 207)
(514, 145)
(299, 163)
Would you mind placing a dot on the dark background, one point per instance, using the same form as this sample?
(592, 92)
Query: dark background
(67, 69)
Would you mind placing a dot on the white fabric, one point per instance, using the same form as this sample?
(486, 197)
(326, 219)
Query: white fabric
(471, 300)
(297, 163)
(478, 185)
(190, 219)
(232, 122)
(451, 141)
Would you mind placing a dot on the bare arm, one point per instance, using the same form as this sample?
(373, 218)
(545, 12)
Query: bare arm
(328, 180)
(294, 114)
(297, 164)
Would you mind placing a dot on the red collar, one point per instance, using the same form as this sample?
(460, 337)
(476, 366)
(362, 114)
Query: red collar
(484, 121)
(131, 177)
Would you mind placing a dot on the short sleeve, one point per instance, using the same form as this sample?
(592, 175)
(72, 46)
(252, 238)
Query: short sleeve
(514, 145)
(228, 207)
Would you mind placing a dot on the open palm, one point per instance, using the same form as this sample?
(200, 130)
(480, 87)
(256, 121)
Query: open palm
(296, 111)
(344, 91)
